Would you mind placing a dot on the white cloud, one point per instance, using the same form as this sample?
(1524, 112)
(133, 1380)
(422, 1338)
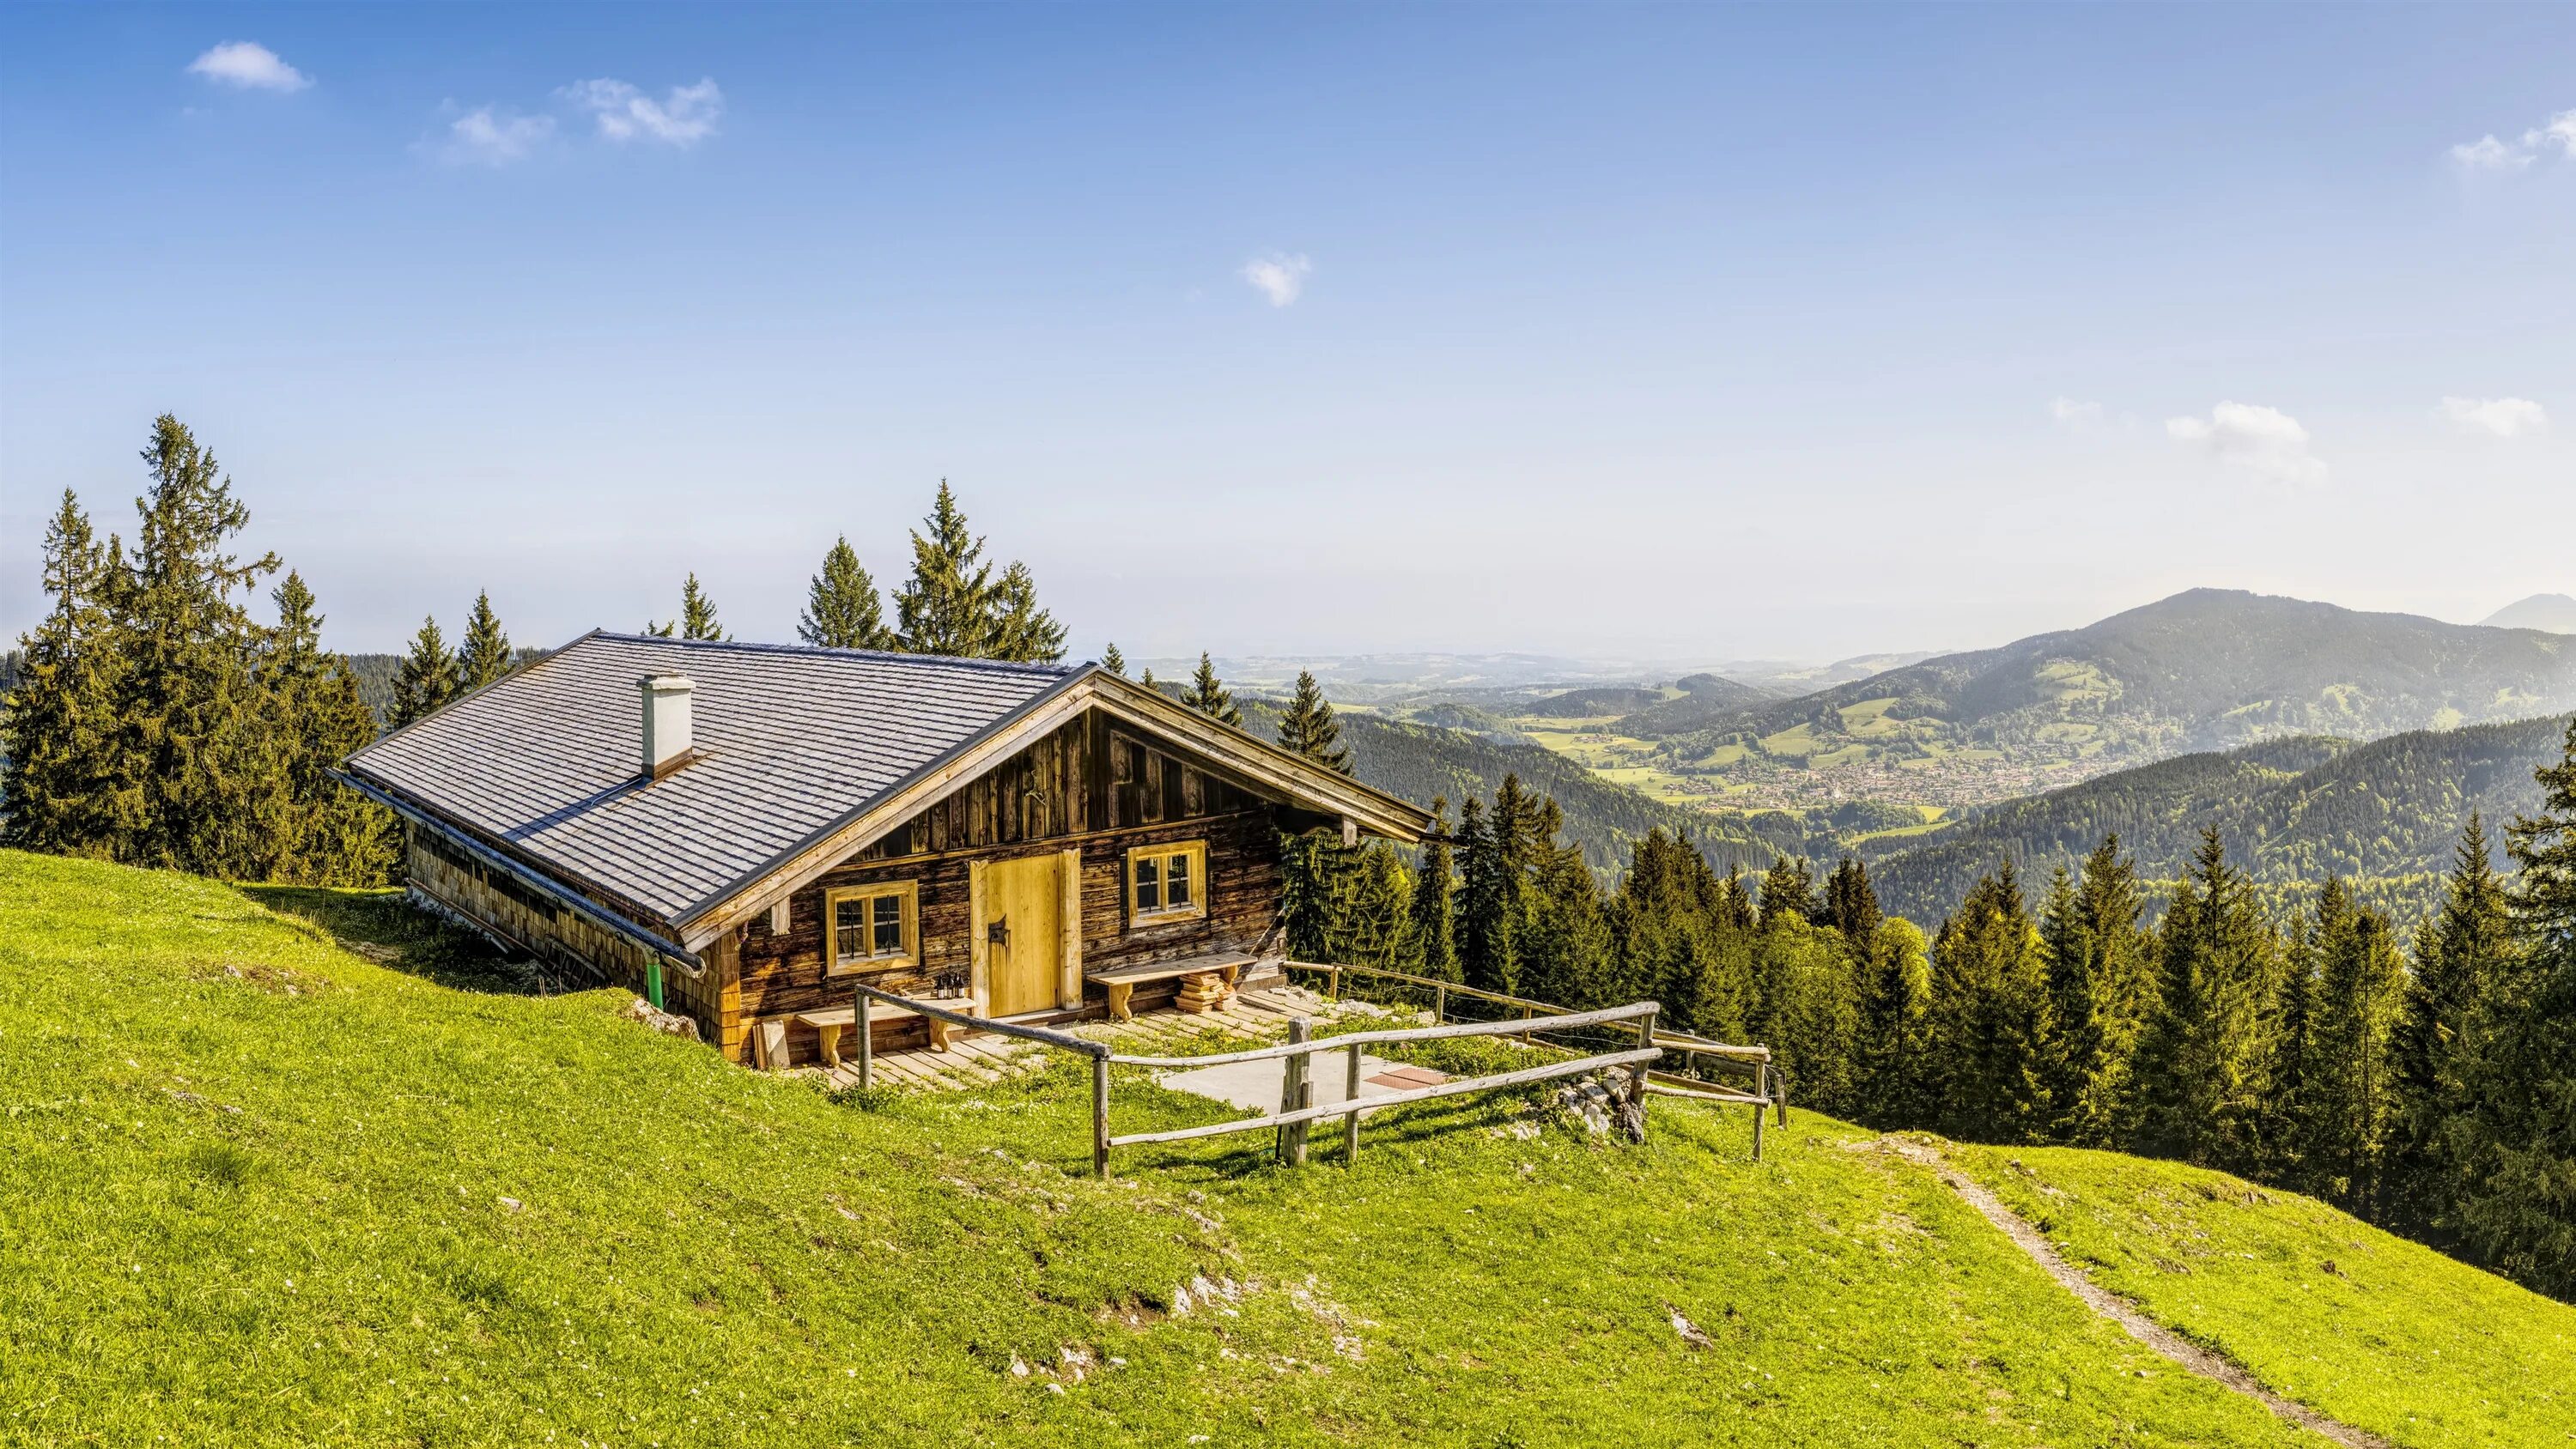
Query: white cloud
(2073, 414)
(490, 136)
(250, 66)
(2486, 153)
(2560, 132)
(2266, 442)
(2500, 417)
(1279, 277)
(684, 117)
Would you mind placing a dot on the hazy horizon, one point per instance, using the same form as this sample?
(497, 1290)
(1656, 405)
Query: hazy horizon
(1605, 332)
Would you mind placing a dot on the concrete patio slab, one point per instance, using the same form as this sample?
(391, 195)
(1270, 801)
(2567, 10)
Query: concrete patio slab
(1254, 1086)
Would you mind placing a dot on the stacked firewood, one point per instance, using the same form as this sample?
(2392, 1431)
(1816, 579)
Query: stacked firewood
(1203, 991)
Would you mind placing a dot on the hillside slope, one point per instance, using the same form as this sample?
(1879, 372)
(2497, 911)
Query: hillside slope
(2294, 810)
(264, 1191)
(2203, 670)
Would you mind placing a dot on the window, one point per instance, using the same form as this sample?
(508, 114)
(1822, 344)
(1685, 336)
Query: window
(1167, 882)
(871, 928)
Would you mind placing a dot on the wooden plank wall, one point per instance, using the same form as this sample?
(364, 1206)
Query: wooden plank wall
(1090, 784)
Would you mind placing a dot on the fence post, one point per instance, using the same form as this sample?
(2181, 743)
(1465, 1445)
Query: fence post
(1440, 1004)
(1637, 1078)
(1296, 1091)
(1525, 1036)
(867, 1038)
(1333, 984)
(1351, 1120)
(1762, 1089)
(1100, 1117)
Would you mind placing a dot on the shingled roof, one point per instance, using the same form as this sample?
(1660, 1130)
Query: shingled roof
(546, 761)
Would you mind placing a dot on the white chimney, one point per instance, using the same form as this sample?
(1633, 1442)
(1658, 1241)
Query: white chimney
(667, 744)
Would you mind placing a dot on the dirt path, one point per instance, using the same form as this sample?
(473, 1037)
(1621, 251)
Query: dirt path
(2205, 1362)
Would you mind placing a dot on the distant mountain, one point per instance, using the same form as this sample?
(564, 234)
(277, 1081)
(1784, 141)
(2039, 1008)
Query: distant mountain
(2549, 613)
(1794, 679)
(1606, 702)
(2208, 669)
(1704, 700)
(2292, 810)
(1420, 762)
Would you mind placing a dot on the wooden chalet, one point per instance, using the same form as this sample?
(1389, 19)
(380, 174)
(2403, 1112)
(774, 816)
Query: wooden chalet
(738, 831)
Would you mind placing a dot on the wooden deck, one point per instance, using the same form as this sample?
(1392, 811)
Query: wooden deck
(1257, 1014)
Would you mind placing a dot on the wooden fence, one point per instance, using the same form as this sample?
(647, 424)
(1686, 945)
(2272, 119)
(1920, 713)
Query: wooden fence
(1766, 1092)
(1297, 1107)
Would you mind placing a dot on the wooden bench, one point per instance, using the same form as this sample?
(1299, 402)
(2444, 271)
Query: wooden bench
(1121, 981)
(829, 1023)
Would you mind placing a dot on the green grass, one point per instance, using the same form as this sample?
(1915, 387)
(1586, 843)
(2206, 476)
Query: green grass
(282, 1176)
(2381, 1333)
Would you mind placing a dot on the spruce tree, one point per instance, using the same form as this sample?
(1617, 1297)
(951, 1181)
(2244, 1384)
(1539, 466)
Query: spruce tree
(2343, 1088)
(946, 607)
(2518, 1203)
(427, 678)
(1379, 916)
(842, 610)
(58, 729)
(324, 833)
(2204, 1059)
(1735, 910)
(1307, 727)
(1989, 1018)
(1814, 1019)
(1022, 632)
(1489, 911)
(2101, 989)
(1892, 1050)
(1851, 906)
(1565, 950)
(1432, 928)
(1209, 697)
(2461, 952)
(697, 612)
(483, 655)
(1788, 892)
(1113, 661)
(189, 752)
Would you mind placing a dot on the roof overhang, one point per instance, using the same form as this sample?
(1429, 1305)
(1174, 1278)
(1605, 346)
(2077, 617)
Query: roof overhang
(1257, 762)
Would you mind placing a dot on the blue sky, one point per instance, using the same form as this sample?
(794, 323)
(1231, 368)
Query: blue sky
(1624, 332)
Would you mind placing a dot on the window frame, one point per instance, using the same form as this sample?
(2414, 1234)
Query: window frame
(909, 892)
(1195, 851)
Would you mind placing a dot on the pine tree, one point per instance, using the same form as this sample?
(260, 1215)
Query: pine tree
(1432, 927)
(1022, 632)
(1735, 906)
(1565, 950)
(2345, 1094)
(946, 607)
(325, 833)
(2101, 989)
(1851, 906)
(842, 610)
(59, 728)
(2462, 951)
(1209, 697)
(1113, 661)
(427, 678)
(1490, 908)
(2518, 1205)
(1893, 1040)
(483, 655)
(1307, 727)
(1813, 1019)
(2202, 1062)
(189, 751)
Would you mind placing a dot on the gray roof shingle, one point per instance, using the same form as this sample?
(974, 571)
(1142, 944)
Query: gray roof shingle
(549, 760)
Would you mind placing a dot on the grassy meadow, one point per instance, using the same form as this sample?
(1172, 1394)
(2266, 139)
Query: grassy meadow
(297, 1168)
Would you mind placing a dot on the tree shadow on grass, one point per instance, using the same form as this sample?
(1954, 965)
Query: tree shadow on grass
(384, 928)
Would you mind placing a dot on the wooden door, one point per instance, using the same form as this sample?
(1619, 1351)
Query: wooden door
(1023, 930)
